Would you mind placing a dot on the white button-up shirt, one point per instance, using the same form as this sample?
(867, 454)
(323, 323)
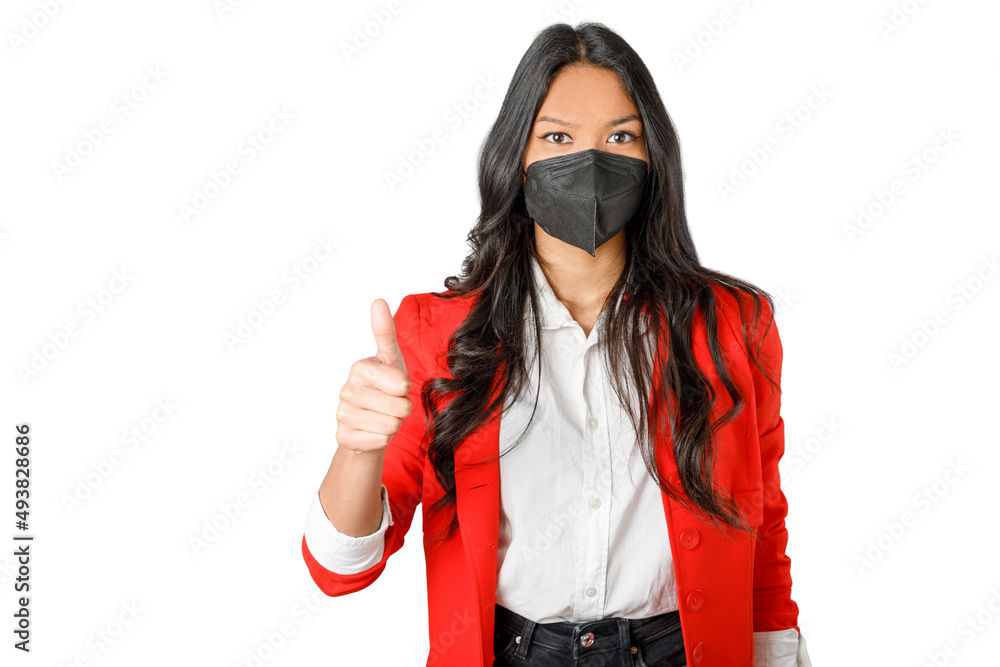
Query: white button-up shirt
(583, 534)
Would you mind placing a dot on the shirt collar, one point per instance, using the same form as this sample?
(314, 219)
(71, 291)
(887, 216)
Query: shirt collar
(553, 313)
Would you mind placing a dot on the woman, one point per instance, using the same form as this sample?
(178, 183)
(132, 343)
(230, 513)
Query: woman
(568, 549)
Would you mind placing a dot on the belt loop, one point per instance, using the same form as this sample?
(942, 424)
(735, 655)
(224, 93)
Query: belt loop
(522, 648)
(625, 641)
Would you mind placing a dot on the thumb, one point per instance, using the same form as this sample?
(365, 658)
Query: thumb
(384, 330)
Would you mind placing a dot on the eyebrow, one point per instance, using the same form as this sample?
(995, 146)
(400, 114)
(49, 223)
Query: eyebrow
(613, 123)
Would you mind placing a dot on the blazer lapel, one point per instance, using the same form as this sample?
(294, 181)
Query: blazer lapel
(477, 492)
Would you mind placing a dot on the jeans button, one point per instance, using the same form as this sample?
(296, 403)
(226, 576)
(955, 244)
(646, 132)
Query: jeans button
(587, 639)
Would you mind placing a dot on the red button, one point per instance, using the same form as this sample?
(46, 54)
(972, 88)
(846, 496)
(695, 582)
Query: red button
(689, 538)
(695, 600)
(698, 653)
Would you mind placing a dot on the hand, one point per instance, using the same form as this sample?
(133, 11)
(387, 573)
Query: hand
(374, 400)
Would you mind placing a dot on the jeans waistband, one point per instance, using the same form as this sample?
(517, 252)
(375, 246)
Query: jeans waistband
(609, 634)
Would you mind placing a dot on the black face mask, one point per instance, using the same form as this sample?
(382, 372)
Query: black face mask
(584, 198)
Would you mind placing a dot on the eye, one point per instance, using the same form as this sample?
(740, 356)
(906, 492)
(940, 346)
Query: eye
(624, 133)
(547, 136)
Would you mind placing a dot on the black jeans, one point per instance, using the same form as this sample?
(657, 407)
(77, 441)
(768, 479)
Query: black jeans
(611, 642)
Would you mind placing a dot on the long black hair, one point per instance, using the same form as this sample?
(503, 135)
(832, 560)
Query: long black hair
(662, 274)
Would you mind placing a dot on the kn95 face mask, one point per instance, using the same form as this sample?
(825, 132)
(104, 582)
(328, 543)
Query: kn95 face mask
(585, 198)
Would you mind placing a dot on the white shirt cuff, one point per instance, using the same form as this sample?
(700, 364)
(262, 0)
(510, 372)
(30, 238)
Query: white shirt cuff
(340, 553)
(780, 648)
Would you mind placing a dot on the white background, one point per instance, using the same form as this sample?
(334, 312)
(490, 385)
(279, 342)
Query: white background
(864, 436)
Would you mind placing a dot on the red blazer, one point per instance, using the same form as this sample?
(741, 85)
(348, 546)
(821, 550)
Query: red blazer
(728, 585)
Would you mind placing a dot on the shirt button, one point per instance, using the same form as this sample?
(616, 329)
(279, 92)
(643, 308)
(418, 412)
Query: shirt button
(695, 600)
(595, 502)
(592, 422)
(698, 653)
(590, 591)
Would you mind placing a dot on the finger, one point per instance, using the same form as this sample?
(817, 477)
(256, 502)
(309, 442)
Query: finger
(368, 421)
(372, 372)
(361, 441)
(376, 400)
(384, 330)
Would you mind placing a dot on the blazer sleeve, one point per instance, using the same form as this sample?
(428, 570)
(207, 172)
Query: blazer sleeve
(340, 553)
(402, 468)
(773, 607)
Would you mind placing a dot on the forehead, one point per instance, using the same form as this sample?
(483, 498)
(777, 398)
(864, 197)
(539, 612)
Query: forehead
(585, 95)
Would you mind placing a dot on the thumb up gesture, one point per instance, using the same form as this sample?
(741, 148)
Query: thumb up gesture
(374, 401)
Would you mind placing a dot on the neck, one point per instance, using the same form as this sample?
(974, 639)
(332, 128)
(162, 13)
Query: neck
(579, 281)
